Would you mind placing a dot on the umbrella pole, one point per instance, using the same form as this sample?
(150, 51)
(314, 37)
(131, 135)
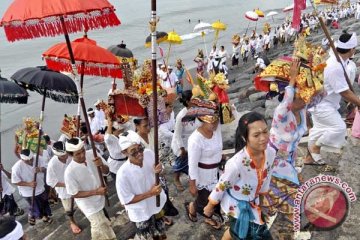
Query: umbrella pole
(203, 37)
(81, 99)
(38, 148)
(168, 55)
(255, 26)
(216, 37)
(247, 28)
(79, 104)
(154, 88)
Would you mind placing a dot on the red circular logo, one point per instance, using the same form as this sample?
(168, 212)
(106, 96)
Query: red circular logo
(326, 206)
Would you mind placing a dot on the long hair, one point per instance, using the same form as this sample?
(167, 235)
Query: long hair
(242, 130)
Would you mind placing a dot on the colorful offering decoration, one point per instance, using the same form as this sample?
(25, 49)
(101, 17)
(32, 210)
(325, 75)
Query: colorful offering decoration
(309, 82)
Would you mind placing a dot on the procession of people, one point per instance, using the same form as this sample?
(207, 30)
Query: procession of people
(116, 147)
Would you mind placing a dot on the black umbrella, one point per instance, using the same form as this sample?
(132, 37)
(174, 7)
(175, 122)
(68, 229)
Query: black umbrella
(48, 83)
(160, 37)
(121, 51)
(10, 92)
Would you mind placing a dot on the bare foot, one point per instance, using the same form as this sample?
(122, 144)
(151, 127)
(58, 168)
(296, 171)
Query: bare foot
(75, 228)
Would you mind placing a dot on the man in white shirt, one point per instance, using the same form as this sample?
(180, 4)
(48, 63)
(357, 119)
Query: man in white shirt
(95, 126)
(22, 175)
(55, 179)
(168, 79)
(83, 183)
(223, 54)
(99, 114)
(116, 158)
(260, 64)
(7, 201)
(329, 129)
(139, 197)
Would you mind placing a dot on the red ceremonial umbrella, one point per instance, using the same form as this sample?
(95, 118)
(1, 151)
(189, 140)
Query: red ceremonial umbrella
(90, 59)
(27, 19)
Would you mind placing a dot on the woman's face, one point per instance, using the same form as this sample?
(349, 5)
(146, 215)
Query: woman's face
(143, 127)
(211, 126)
(169, 109)
(258, 137)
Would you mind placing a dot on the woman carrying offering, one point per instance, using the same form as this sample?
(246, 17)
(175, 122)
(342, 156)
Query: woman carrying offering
(247, 176)
(205, 153)
(288, 127)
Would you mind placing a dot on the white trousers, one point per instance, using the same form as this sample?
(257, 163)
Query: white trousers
(328, 130)
(101, 227)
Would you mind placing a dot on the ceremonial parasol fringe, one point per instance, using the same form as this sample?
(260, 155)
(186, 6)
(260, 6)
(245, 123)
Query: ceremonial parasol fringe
(64, 97)
(5, 98)
(51, 26)
(94, 69)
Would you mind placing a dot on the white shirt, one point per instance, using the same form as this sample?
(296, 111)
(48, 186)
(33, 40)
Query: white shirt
(182, 132)
(207, 151)
(100, 115)
(94, 125)
(81, 177)
(169, 81)
(22, 172)
(334, 84)
(132, 180)
(260, 63)
(112, 144)
(55, 174)
(7, 188)
(351, 69)
(166, 130)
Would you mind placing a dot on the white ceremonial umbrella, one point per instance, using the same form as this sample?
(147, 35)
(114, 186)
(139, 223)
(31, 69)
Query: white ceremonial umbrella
(272, 14)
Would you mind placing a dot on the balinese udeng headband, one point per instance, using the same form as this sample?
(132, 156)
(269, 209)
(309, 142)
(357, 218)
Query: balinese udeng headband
(16, 233)
(70, 147)
(26, 155)
(352, 43)
(59, 149)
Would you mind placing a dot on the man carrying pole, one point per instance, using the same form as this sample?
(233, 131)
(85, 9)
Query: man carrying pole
(83, 183)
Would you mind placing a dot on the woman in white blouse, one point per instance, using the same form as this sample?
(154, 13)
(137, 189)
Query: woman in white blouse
(247, 176)
(205, 154)
(179, 143)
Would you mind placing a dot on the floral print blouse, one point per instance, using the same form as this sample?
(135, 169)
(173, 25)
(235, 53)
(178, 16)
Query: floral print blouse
(285, 135)
(243, 180)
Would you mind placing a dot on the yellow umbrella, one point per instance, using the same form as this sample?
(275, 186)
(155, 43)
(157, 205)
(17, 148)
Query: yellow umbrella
(259, 13)
(172, 38)
(218, 26)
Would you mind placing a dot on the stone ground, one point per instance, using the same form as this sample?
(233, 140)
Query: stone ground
(245, 98)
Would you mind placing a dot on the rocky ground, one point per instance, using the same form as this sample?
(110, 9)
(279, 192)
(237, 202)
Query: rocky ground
(245, 98)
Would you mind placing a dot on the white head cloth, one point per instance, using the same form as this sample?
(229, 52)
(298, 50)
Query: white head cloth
(17, 233)
(130, 139)
(352, 43)
(72, 147)
(59, 152)
(26, 157)
(97, 102)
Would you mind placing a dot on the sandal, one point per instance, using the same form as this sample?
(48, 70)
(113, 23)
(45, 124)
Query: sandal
(31, 221)
(316, 159)
(47, 220)
(75, 228)
(190, 216)
(212, 223)
(168, 221)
